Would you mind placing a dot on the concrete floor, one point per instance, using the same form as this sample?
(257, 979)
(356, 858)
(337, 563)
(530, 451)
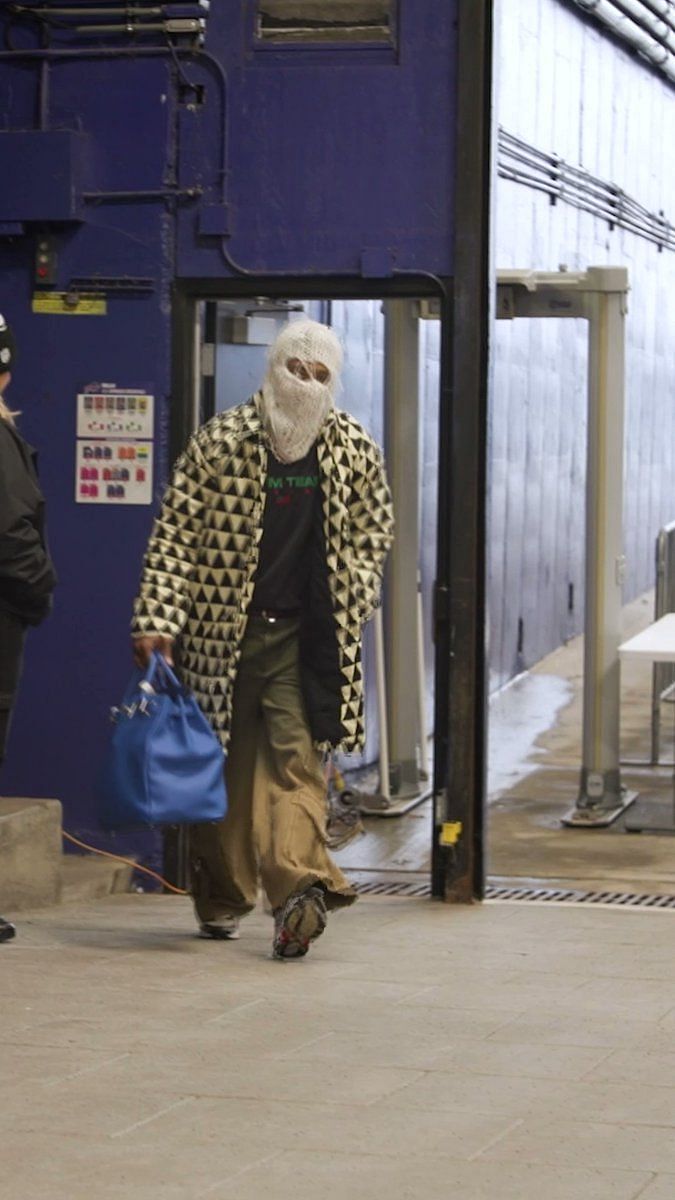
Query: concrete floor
(496, 1052)
(533, 789)
(502, 1051)
(534, 737)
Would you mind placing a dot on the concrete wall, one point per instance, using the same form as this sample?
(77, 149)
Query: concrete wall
(566, 88)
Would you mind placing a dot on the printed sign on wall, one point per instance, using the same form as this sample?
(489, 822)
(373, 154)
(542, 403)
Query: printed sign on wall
(114, 472)
(114, 457)
(115, 413)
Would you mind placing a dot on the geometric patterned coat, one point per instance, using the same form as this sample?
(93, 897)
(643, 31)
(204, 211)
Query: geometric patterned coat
(199, 567)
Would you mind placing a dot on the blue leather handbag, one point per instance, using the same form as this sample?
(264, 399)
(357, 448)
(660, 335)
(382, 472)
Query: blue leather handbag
(165, 765)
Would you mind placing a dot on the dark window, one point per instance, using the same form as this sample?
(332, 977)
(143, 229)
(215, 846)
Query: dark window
(326, 21)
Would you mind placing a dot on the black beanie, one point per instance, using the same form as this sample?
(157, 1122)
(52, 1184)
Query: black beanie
(7, 346)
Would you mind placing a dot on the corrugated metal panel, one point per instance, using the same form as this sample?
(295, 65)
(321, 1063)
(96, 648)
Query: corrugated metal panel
(567, 89)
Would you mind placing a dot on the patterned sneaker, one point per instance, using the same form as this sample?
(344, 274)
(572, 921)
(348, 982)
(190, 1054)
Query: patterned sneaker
(344, 821)
(225, 929)
(300, 921)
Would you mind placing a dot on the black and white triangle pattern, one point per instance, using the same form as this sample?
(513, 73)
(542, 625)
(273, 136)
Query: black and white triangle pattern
(202, 556)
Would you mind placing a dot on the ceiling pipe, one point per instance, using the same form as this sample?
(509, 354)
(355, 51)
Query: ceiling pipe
(525, 164)
(648, 26)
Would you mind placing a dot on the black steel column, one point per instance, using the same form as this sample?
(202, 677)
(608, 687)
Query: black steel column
(175, 860)
(459, 777)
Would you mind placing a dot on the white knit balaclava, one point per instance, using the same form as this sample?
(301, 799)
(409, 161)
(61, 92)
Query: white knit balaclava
(294, 410)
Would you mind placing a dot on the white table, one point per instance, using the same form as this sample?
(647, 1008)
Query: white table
(656, 643)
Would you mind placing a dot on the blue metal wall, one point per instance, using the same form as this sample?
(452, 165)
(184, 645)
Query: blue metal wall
(336, 161)
(78, 661)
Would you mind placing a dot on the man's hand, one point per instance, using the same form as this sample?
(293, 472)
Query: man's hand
(144, 646)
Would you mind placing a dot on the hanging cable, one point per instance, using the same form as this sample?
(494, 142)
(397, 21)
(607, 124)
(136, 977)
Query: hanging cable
(129, 862)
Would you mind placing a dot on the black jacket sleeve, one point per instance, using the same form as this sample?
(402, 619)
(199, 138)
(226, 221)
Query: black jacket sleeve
(27, 576)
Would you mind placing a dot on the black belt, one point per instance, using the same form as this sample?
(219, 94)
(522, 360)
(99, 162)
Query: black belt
(274, 614)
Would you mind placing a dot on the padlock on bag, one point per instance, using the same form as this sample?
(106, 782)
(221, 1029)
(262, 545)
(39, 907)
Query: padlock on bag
(164, 764)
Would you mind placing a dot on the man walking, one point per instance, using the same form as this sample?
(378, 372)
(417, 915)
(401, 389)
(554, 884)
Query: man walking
(265, 561)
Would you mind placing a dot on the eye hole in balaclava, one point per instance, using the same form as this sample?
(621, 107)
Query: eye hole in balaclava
(308, 370)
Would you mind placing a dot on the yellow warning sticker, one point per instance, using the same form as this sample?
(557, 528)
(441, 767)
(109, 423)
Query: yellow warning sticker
(70, 304)
(450, 833)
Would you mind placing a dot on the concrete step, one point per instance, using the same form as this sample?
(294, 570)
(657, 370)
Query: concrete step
(86, 877)
(30, 853)
(34, 871)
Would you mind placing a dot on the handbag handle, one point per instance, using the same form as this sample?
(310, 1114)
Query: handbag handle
(159, 667)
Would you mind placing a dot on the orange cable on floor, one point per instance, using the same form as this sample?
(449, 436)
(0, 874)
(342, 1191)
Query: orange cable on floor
(129, 862)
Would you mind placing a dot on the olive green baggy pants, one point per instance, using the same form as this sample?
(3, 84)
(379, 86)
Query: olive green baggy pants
(275, 826)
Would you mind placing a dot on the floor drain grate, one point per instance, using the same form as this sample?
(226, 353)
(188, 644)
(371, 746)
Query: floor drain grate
(522, 895)
(393, 888)
(567, 896)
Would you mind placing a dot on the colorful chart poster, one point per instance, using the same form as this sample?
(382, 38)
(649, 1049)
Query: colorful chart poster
(114, 454)
(114, 472)
(113, 412)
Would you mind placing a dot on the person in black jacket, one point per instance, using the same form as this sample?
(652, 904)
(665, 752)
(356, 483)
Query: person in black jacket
(27, 576)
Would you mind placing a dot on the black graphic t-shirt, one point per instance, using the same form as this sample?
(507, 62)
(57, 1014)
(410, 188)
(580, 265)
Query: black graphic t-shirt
(291, 493)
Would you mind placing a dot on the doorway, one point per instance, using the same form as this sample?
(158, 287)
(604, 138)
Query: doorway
(220, 345)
